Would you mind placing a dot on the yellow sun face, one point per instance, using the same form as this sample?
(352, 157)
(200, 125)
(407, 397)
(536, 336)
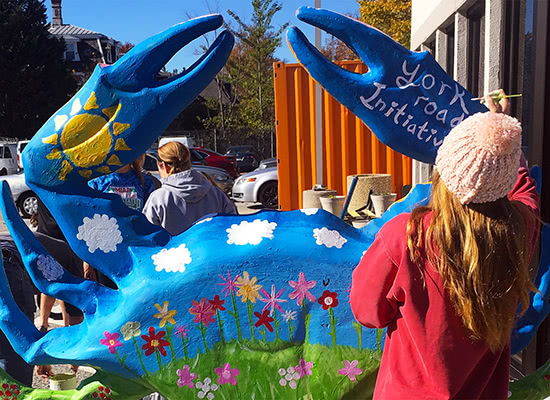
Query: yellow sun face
(86, 140)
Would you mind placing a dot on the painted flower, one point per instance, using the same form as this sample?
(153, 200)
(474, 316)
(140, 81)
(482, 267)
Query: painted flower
(100, 232)
(289, 376)
(226, 374)
(301, 289)
(102, 392)
(154, 342)
(9, 390)
(328, 299)
(229, 284)
(351, 370)
(181, 330)
(111, 341)
(304, 368)
(272, 300)
(289, 315)
(206, 389)
(186, 377)
(130, 329)
(248, 289)
(164, 315)
(51, 269)
(264, 319)
(217, 303)
(203, 312)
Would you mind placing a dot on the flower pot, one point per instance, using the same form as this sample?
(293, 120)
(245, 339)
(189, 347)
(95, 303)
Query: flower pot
(63, 382)
(366, 185)
(361, 223)
(333, 204)
(381, 202)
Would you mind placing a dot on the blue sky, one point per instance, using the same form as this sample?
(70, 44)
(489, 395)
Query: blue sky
(135, 20)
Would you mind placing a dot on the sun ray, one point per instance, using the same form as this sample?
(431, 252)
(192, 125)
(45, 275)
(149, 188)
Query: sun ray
(60, 120)
(104, 170)
(91, 103)
(65, 169)
(118, 128)
(86, 173)
(114, 160)
(121, 145)
(110, 111)
(55, 154)
(52, 139)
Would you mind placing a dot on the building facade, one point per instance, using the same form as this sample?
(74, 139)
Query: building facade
(486, 45)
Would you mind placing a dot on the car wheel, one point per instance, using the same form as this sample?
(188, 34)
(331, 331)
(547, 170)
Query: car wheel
(3, 172)
(269, 195)
(28, 204)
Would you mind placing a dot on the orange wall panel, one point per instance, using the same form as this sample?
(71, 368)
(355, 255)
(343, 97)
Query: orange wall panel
(349, 146)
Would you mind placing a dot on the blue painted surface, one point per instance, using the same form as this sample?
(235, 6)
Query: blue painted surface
(406, 98)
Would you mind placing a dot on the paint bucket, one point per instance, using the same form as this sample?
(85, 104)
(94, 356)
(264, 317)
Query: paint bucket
(381, 202)
(333, 204)
(63, 382)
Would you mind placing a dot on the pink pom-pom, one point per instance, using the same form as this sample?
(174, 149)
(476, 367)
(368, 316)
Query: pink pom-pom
(498, 134)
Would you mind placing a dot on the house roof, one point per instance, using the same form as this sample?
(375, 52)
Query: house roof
(72, 31)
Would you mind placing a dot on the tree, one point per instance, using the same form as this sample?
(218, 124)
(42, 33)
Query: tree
(34, 79)
(335, 50)
(126, 47)
(250, 67)
(393, 17)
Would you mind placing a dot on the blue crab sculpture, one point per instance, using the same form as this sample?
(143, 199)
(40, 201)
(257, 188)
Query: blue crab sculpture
(236, 306)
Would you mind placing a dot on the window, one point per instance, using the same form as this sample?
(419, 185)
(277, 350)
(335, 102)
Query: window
(7, 152)
(476, 46)
(69, 55)
(450, 49)
(108, 57)
(2, 151)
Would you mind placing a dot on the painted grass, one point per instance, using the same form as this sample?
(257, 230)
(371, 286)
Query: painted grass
(259, 364)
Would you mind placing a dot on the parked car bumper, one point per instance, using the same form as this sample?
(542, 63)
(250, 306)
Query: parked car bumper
(243, 192)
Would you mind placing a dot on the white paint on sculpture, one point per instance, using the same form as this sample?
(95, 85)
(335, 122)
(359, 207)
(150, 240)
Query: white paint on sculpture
(329, 238)
(100, 232)
(250, 232)
(172, 260)
(309, 211)
(50, 269)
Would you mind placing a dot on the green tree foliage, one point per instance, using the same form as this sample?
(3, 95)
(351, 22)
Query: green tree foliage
(250, 67)
(393, 17)
(34, 79)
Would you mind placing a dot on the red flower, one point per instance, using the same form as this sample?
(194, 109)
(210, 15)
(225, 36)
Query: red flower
(203, 312)
(264, 319)
(328, 299)
(154, 342)
(217, 303)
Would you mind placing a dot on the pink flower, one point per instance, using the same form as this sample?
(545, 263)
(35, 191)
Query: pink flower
(111, 340)
(304, 368)
(272, 300)
(186, 378)
(350, 370)
(301, 289)
(181, 330)
(227, 374)
(203, 312)
(229, 284)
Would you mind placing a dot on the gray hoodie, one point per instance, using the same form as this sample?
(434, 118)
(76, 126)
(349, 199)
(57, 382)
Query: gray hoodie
(182, 199)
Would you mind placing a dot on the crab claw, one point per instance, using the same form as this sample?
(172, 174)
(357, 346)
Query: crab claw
(406, 98)
(140, 65)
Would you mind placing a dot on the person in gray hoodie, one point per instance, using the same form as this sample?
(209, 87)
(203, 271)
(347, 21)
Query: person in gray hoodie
(186, 195)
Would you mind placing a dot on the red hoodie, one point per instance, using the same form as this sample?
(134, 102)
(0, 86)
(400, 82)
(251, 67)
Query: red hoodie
(427, 354)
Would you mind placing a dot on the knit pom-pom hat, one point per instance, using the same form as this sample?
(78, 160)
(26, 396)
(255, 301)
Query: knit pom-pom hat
(478, 160)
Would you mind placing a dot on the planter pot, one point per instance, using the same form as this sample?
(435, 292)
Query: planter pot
(366, 185)
(333, 205)
(381, 202)
(63, 382)
(360, 223)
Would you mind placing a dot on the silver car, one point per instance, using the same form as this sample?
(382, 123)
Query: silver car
(25, 199)
(259, 186)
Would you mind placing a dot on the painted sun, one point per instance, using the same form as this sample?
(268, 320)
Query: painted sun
(84, 140)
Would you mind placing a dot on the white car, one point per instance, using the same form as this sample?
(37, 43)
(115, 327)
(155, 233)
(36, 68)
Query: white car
(8, 158)
(25, 199)
(258, 186)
